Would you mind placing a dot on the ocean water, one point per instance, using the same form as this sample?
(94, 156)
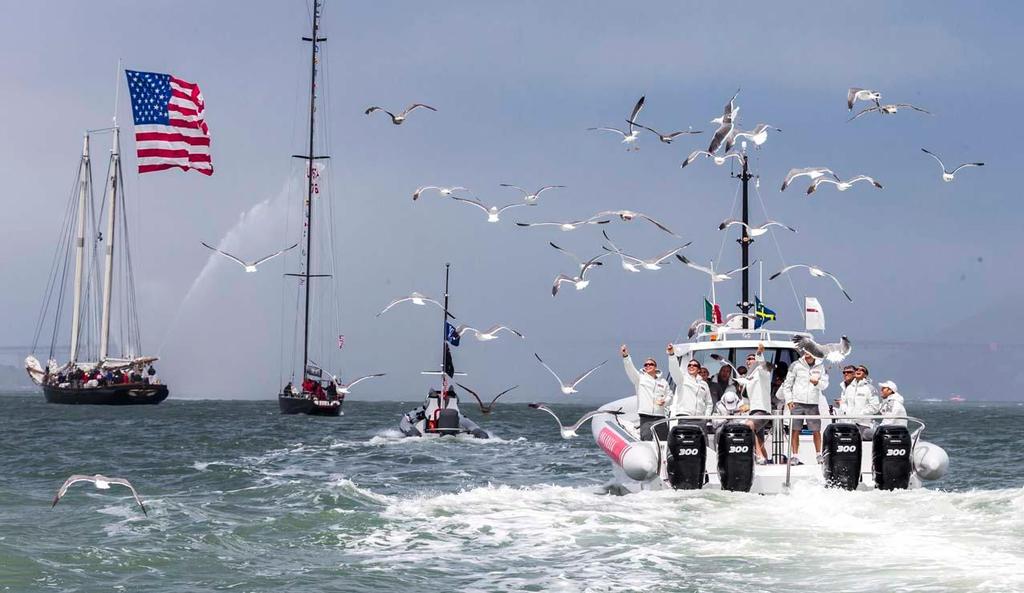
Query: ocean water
(243, 499)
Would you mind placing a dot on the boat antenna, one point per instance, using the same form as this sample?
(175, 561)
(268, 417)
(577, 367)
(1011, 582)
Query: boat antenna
(745, 239)
(444, 337)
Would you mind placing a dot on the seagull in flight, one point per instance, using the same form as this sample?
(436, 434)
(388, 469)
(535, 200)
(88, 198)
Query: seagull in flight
(842, 185)
(344, 389)
(758, 135)
(102, 483)
(492, 211)
(947, 176)
(565, 226)
(629, 215)
(810, 172)
(889, 109)
(400, 118)
(715, 276)
(569, 388)
(630, 138)
(718, 159)
(579, 281)
(815, 272)
(416, 299)
(666, 138)
(446, 192)
(635, 264)
(754, 231)
(855, 94)
(569, 432)
(700, 324)
(834, 353)
(527, 196)
(726, 126)
(485, 408)
(488, 335)
(249, 267)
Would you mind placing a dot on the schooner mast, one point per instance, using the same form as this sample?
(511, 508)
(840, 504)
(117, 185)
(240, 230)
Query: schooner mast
(108, 241)
(83, 196)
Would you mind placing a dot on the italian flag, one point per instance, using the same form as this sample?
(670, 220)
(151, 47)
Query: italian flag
(712, 314)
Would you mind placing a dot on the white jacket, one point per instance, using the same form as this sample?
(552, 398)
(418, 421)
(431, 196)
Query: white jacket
(856, 396)
(692, 396)
(888, 406)
(758, 385)
(729, 405)
(798, 388)
(648, 390)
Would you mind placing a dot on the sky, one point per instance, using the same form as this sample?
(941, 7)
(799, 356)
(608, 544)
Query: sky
(931, 265)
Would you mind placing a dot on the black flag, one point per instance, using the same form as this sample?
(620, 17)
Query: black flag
(449, 366)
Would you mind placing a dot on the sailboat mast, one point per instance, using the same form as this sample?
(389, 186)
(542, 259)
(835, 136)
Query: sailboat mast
(314, 40)
(83, 188)
(108, 239)
(444, 333)
(745, 241)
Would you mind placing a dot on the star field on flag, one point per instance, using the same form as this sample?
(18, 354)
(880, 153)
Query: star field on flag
(170, 131)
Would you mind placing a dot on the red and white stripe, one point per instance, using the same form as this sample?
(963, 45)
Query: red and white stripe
(183, 143)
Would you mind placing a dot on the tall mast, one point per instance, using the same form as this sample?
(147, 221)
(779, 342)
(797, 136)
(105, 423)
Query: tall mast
(108, 239)
(444, 333)
(745, 240)
(310, 157)
(83, 188)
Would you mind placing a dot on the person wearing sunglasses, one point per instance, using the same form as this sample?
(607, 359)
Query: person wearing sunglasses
(758, 387)
(692, 396)
(652, 395)
(857, 395)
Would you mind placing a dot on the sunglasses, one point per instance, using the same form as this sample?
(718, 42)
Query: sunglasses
(693, 366)
(650, 364)
(847, 372)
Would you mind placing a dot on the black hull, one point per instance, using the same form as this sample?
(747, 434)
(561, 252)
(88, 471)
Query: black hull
(305, 405)
(127, 394)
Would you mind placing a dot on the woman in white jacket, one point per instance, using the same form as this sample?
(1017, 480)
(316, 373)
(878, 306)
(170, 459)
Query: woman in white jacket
(857, 397)
(692, 396)
(652, 394)
(758, 386)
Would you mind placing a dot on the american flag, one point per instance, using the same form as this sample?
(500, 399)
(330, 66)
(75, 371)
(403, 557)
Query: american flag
(169, 126)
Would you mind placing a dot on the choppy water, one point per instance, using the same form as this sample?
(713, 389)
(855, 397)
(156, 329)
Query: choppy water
(241, 498)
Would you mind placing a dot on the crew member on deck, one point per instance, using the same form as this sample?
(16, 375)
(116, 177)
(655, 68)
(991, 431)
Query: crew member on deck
(651, 395)
(802, 390)
(692, 396)
(857, 395)
(758, 388)
(890, 405)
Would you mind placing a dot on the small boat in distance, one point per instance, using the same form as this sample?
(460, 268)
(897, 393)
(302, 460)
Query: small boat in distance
(957, 399)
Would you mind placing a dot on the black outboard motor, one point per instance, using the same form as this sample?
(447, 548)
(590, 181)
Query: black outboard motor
(891, 457)
(448, 421)
(842, 451)
(688, 452)
(735, 443)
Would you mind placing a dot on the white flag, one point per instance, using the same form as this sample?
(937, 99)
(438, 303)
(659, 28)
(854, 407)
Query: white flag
(814, 315)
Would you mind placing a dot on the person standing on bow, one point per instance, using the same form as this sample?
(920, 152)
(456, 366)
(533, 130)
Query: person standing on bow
(758, 387)
(857, 394)
(692, 396)
(652, 395)
(802, 391)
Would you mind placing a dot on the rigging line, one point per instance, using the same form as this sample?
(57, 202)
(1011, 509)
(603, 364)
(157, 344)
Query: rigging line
(330, 197)
(778, 248)
(725, 235)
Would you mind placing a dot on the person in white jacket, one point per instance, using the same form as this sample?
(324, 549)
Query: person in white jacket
(803, 391)
(890, 405)
(758, 387)
(857, 395)
(692, 396)
(652, 394)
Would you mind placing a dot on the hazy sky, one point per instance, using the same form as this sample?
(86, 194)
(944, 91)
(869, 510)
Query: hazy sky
(516, 85)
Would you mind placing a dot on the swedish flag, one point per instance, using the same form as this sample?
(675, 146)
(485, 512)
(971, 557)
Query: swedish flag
(762, 314)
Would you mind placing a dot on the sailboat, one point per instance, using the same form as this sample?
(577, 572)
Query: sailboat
(314, 395)
(93, 374)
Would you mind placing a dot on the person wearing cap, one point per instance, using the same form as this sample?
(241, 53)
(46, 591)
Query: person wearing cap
(692, 396)
(757, 384)
(857, 393)
(890, 405)
(803, 392)
(652, 394)
(730, 404)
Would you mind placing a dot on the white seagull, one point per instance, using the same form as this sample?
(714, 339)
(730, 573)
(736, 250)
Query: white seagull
(889, 109)
(833, 353)
(527, 196)
(700, 324)
(569, 432)
(666, 138)
(492, 211)
(416, 299)
(485, 408)
(565, 226)
(630, 138)
(488, 335)
(569, 388)
(446, 192)
(250, 268)
(635, 264)
(398, 119)
(810, 172)
(758, 135)
(579, 281)
(629, 215)
(842, 185)
(102, 483)
(344, 389)
(855, 94)
(815, 272)
(718, 159)
(754, 231)
(715, 276)
(726, 126)
(947, 176)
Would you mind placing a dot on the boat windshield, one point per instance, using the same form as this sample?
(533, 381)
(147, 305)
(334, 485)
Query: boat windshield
(738, 356)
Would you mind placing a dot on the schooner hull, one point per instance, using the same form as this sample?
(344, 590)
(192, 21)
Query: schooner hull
(310, 407)
(128, 394)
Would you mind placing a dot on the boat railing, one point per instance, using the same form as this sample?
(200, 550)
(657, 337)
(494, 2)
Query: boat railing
(727, 334)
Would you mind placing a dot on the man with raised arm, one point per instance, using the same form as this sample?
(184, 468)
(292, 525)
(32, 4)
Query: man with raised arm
(802, 390)
(652, 394)
(758, 387)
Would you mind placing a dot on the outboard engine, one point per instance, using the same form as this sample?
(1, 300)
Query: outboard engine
(448, 421)
(891, 457)
(688, 451)
(842, 451)
(735, 443)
